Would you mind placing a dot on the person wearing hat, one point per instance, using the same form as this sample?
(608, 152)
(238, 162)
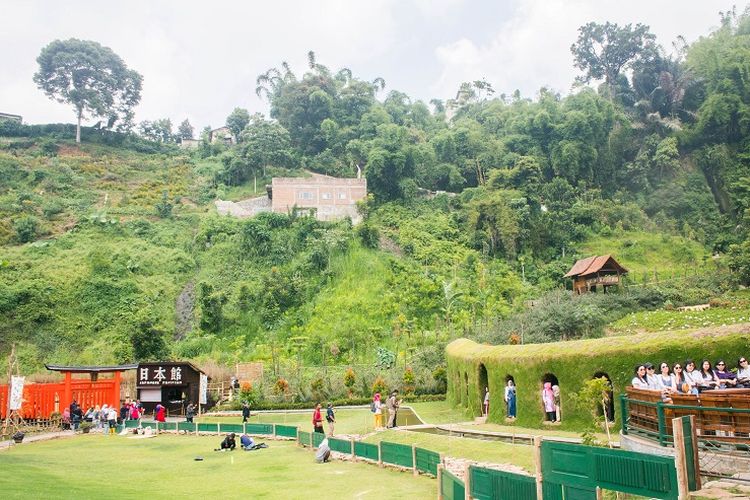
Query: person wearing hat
(228, 444)
(653, 383)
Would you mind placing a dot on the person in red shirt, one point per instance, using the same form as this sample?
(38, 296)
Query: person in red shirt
(317, 420)
(160, 413)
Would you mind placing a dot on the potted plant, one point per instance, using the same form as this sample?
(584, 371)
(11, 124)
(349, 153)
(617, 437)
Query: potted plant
(18, 437)
(86, 427)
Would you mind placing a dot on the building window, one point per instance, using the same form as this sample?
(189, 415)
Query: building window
(325, 196)
(342, 195)
(305, 195)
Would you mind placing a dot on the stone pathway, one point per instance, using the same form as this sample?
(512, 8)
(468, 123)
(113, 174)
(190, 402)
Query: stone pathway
(723, 489)
(32, 438)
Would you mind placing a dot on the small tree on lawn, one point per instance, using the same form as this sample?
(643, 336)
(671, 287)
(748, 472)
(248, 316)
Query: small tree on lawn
(349, 380)
(595, 396)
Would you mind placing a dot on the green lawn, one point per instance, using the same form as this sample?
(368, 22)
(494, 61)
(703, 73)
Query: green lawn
(164, 467)
(358, 421)
(655, 321)
(474, 449)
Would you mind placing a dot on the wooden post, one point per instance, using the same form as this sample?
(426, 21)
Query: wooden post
(467, 482)
(354, 457)
(538, 466)
(414, 460)
(599, 494)
(696, 458)
(298, 441)
(380, 454)
(218, 428)
(440, 481)
(680, 460)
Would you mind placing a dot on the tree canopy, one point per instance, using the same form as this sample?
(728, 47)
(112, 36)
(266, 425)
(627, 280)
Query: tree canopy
(92, 78)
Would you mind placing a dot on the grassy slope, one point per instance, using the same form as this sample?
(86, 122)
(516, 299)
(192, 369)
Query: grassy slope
(642, 252)
(163, 467)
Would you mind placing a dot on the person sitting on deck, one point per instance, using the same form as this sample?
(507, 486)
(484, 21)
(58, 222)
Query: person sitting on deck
(639, 381)
(727, 379)
(229, 443)
(708, 377)
(692, 376)
(743, 372)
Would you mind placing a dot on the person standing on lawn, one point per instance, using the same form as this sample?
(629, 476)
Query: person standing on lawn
(377, 409)
(392, 404)
(330, 418)
(160, 413)
(317, 420)
(245, 411)
(190, 412)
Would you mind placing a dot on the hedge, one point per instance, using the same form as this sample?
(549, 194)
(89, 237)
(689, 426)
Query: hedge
(573, 363)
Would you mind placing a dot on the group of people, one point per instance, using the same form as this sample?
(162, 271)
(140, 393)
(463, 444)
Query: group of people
(392, 404)
(687, 378)
(229, 443)
(317, 419)
(103, 418)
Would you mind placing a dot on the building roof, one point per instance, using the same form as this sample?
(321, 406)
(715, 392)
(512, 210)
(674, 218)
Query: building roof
(593, 264)
(91, 369)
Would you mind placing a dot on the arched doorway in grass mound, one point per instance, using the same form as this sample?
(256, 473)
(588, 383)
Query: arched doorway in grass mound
(557, 409)
(611, 398)
(483, 382)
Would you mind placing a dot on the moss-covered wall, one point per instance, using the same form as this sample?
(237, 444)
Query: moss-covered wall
(573, 363)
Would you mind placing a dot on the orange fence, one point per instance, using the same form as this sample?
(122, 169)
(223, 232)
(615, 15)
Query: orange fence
(40, 400)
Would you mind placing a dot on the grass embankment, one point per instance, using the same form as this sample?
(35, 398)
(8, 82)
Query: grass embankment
(164, 467)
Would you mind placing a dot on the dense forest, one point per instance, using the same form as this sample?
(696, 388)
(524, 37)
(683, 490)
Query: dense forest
(112, 252)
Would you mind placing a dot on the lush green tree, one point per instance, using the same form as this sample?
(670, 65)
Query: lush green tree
(147, 340)
(92, 78)
(602, 51)
(185, 130)
(237, 121)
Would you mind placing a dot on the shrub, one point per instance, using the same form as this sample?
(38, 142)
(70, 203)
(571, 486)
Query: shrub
(281, 387)
(249, 393)
(317, 386)
(440, 376)
(26, 228)
(349, 380)
(379, 385)
(408, 381)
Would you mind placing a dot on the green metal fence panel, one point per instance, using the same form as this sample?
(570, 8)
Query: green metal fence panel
(397, 454)
(168, 426)
(206, 427)
(186, 426)
(552, 491)
(687, 431)
(451, 487)
(257, 428)
(236, 428)
(366, 450)
(489, 484)
(305, 438)
(317, 438)
(427, 461)
(286, 430)
(586, 467)
(130, 424)
(148, 424)
(340, 445)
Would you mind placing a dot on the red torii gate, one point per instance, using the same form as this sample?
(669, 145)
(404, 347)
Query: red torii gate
(41, 400)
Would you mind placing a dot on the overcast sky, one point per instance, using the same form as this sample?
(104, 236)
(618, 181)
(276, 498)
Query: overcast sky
(199, 60)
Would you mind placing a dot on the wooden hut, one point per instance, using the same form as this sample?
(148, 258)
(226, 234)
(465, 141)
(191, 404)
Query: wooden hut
(596, 271)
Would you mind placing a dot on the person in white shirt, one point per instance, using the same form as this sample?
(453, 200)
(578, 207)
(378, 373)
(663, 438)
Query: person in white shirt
(692, 376)
(653, 383)
(743, 373)
(639, 381)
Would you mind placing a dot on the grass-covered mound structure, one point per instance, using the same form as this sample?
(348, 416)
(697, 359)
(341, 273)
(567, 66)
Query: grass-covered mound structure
(472, 366)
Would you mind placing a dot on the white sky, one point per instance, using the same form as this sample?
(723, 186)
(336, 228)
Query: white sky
(199, 60)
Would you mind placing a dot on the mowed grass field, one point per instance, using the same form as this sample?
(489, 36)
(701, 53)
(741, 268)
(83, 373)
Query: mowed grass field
(96, 466)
